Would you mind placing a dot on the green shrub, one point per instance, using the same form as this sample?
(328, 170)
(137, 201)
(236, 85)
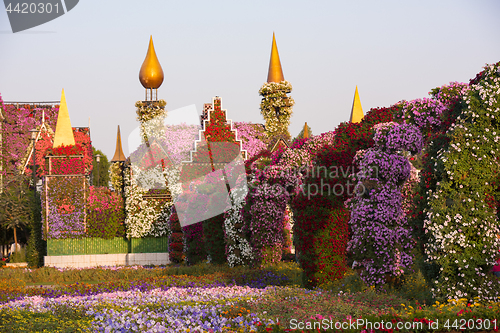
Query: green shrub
(175, 239)
(18, 256)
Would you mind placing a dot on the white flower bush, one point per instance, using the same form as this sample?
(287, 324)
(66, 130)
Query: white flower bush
(238, 248)
(461, 221)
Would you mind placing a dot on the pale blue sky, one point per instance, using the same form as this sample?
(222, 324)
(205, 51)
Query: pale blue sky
(392, 50)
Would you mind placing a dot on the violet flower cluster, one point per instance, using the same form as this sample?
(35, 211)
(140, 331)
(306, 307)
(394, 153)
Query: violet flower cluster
(270, 193)
(381, 240)
(394, 137)
(157, 310)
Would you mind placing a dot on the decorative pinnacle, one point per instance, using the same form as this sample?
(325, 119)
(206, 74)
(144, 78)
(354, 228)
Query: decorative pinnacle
(357, 110)
(275, 73)
(64, 131)
(151, 73)
(119, 155)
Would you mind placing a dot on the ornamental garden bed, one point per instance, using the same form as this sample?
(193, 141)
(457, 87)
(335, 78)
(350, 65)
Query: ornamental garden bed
(216, 298)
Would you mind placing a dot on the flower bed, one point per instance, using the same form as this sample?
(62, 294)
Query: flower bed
(208, 300)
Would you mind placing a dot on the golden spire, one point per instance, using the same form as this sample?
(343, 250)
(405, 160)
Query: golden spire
(119, 155)
(306, 132)
(151, 74)
(275, 72)
(357, 110)
(64, 131)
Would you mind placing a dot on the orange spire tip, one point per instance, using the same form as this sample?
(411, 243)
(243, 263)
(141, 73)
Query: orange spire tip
(275, 73)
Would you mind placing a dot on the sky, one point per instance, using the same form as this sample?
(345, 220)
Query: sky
(391, 50)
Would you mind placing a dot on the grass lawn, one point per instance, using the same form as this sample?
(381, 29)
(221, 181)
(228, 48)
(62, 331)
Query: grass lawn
(210, 298)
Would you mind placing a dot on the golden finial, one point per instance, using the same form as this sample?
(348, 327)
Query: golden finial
(119, 155)
(357, 110)
(275, 72)
(151, 74)
(306, 132)
(64, 131)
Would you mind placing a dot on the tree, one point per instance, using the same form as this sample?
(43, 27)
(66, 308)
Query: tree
(100, 178)
(16, 205)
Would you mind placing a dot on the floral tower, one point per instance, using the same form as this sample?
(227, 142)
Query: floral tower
(147, 196)
(116, 167)
(276, 106)
(65, 182)
(207, 179)
(151, 112)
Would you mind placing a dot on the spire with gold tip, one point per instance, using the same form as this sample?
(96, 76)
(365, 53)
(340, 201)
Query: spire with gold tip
(276, 105)
(64, 131)
(357, 110)
(119, 155)
(151, 73)
(275, 73)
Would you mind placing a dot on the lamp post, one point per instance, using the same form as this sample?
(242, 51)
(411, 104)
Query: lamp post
(98, 160)
(34, 133)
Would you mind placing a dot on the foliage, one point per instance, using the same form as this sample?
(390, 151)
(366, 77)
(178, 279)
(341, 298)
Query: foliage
(238, 248)
(194, 247)
(175, 239)
(321, 231)
(115, 175)
(252, 136)
(265, 208)
(105, 213)
(83, 147)
(18, 256)
(104, 165)
(19, 120)
(151, 116)
(287, 229)
(64, 206)
(37, 247)
(276, 108)
(461, 222)
(16, 204)
(213, 233)
(142, 217)
(381, 240)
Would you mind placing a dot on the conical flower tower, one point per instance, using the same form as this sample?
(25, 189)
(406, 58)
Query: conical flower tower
(65, 183)
(145, 184)
(276, 106)
(357, 110)
(151, 112)
(116, 167)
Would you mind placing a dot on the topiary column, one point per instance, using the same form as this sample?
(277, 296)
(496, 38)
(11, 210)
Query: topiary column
(381, 240)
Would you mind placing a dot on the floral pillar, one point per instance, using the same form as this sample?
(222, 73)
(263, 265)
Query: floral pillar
(65, 195)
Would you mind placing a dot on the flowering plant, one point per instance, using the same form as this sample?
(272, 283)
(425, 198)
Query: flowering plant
(105, 213)
(460, 225)
(381, 240)
(276, 107)
(321, 220)
(238, 248)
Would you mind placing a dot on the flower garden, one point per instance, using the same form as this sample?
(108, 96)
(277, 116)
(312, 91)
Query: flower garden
(390, 220)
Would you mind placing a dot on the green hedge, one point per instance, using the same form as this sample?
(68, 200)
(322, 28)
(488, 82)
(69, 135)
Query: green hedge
(61, 247)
